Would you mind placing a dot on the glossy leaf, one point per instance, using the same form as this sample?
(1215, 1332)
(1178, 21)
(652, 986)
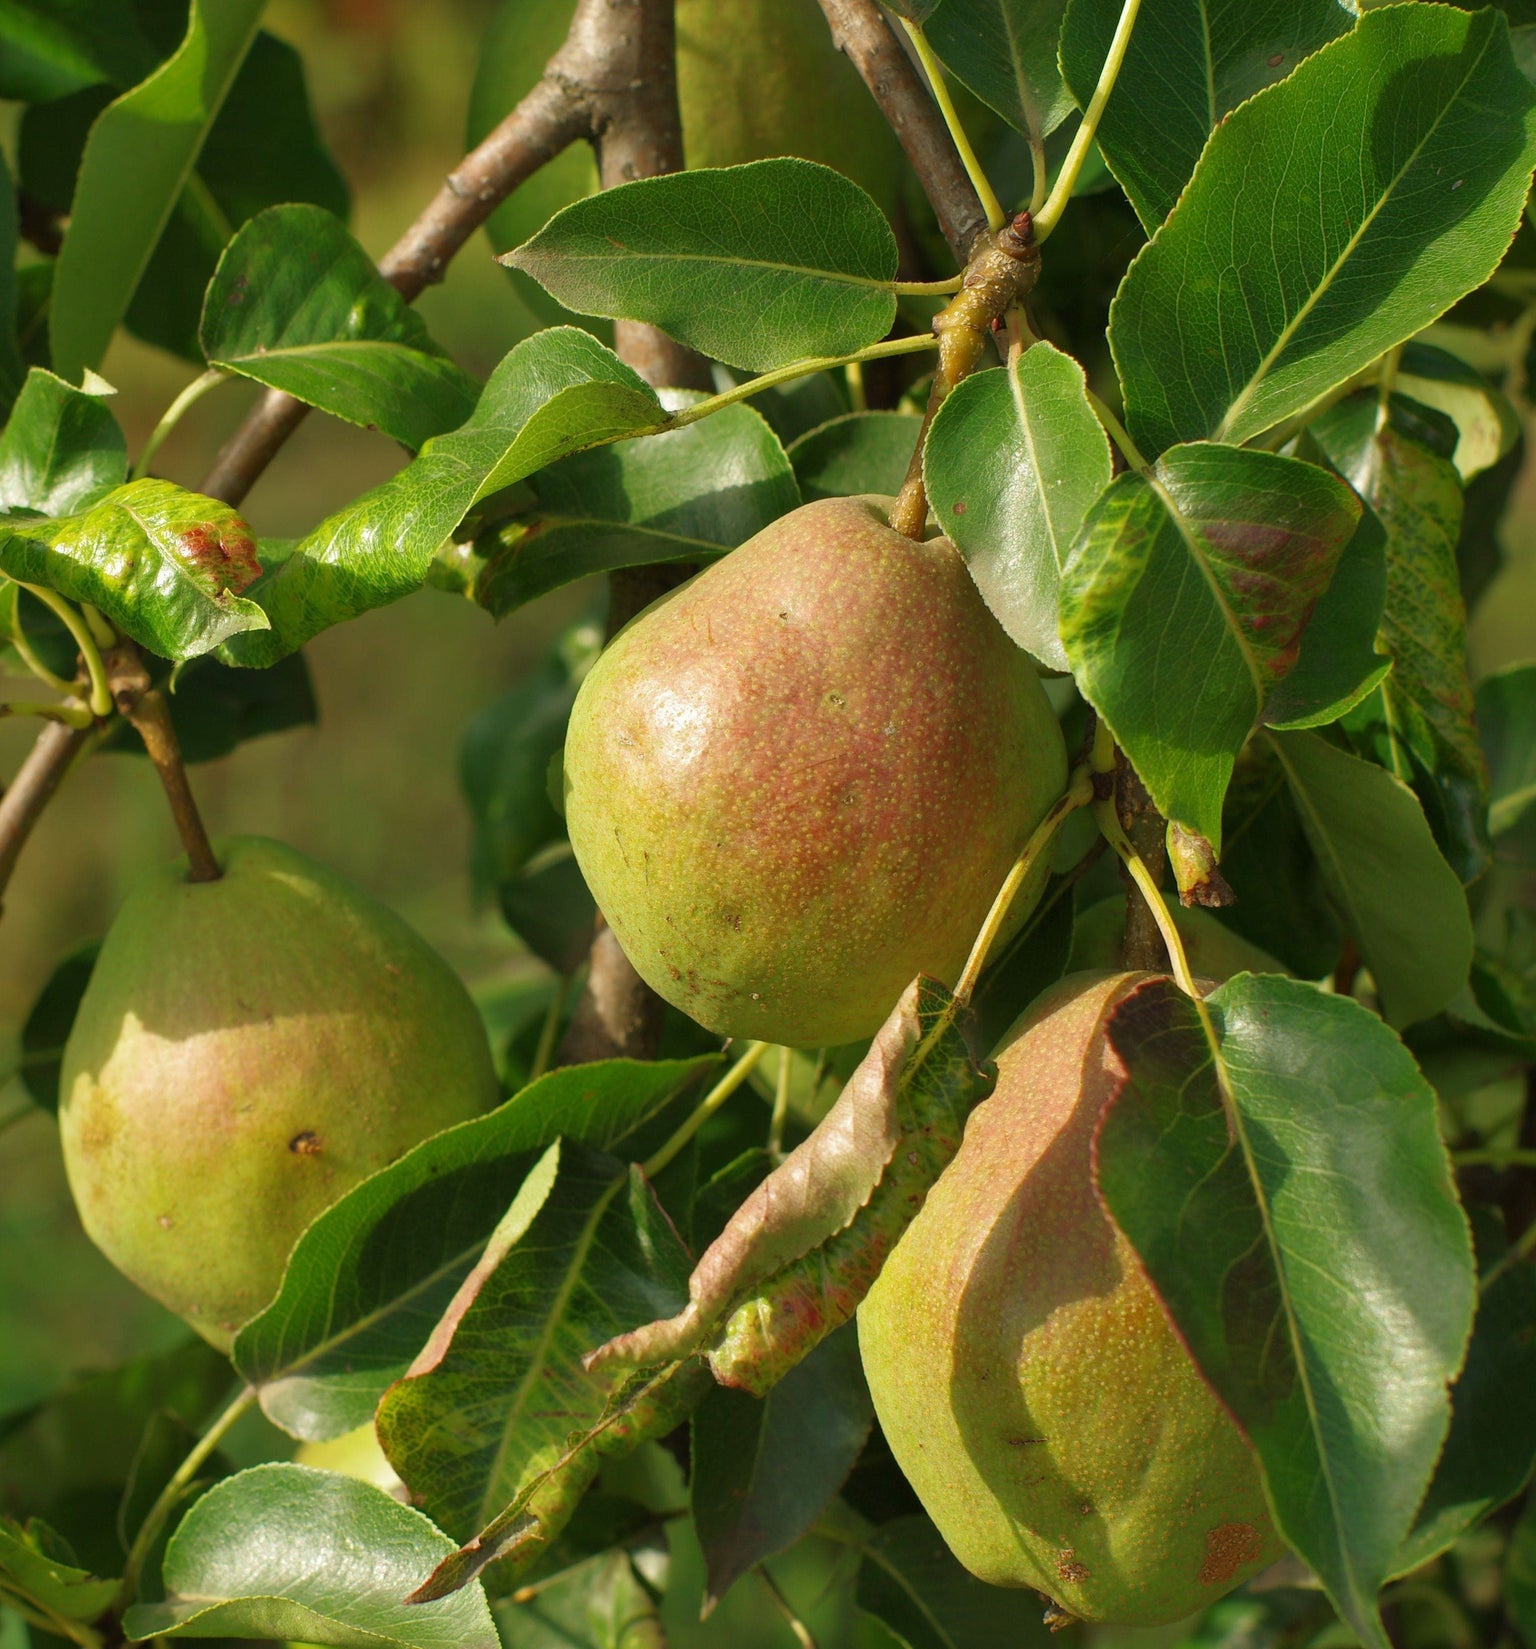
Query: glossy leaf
(856, 453)
(755, 265)
(165, 565)
(1293, 1204)
(1491, 1450)
(1506, 715)
(61, 449)
(368, 1279)
(555, 393)
(1278, 276)
(1386, 878)
(283, 1551)
(910, 1583)
(493, 1399)
(35, 1562)
(1423, 720)
(1183, 604)
(1190, 63)
(764, 1471)
(1013, 462)
(50, 48)
(1005, 52)
(137, 160)
(1339, 662)
(298, 305)
(683, 496)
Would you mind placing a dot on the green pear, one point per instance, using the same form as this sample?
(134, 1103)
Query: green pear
(246, 1051)
(799, 780)
(1214, 950)
(1026, 1376)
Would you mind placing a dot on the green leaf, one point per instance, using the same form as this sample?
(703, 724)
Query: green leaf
(1339, 662)
(49, 1021)
(35, 1562)
(1183, 604)
(61, 450)
(755, 265)
(1013, 462)
(1506, 715)
(555, 393)
(1005, 52)
(1386, 878)
(489, 1406)
(856, 453)
(138, 158)
(550, 908)
(264, 148)
(1190, 63)
(1293, 1204)
(283, 1551)
(1279, 274)
(299, 306)
(682, 496)
(1423, 720)
(1491, 1448)
(369, 1278)
(1520, 1574)
(910, 1583)
(165, 565)
(764, 1471)
(1487, 425)
(50, 48)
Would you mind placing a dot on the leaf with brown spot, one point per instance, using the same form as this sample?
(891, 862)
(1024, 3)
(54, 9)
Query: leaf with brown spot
(167, 566)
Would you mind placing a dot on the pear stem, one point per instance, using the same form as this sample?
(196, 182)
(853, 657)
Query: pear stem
(1114, 833)
(144, 706)
(1079, 793)
(165, 1504)
(780, 1107)
(706, 1108)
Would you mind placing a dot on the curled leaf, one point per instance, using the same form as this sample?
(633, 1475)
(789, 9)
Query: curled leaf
(814, 1193)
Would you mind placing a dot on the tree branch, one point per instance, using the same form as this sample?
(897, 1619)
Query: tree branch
(37, 779)
(864, 37)
(551, 117)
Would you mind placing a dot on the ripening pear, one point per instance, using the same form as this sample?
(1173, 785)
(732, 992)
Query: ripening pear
(799, 780)
(246, 1051)
(1025, 1374)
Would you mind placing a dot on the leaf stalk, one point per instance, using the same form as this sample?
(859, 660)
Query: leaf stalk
(973, 169)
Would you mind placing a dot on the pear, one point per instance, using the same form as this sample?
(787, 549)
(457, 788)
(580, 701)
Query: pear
(1025, 1374)
(246, 1051)
(797, 781)
(1213, 949)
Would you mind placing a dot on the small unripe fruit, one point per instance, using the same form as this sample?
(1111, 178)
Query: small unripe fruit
(798, 781)
(1027, 1378)
(246, 1051)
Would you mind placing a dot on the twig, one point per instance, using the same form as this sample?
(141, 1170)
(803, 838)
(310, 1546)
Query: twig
(864, 37)
(145, 708)
(37, 779)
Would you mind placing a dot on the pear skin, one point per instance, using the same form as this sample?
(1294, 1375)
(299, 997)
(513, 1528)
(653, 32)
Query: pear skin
(1026, 1375)
(246, 1051)
(799, 780)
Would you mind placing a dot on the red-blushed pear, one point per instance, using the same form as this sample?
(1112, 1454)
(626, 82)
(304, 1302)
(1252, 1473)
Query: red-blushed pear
(246, 1051)
(797, 782)
(1025, 1374)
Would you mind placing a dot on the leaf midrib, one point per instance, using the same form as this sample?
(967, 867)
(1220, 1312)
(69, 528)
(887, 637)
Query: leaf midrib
(625, 254)
(1269, 360)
